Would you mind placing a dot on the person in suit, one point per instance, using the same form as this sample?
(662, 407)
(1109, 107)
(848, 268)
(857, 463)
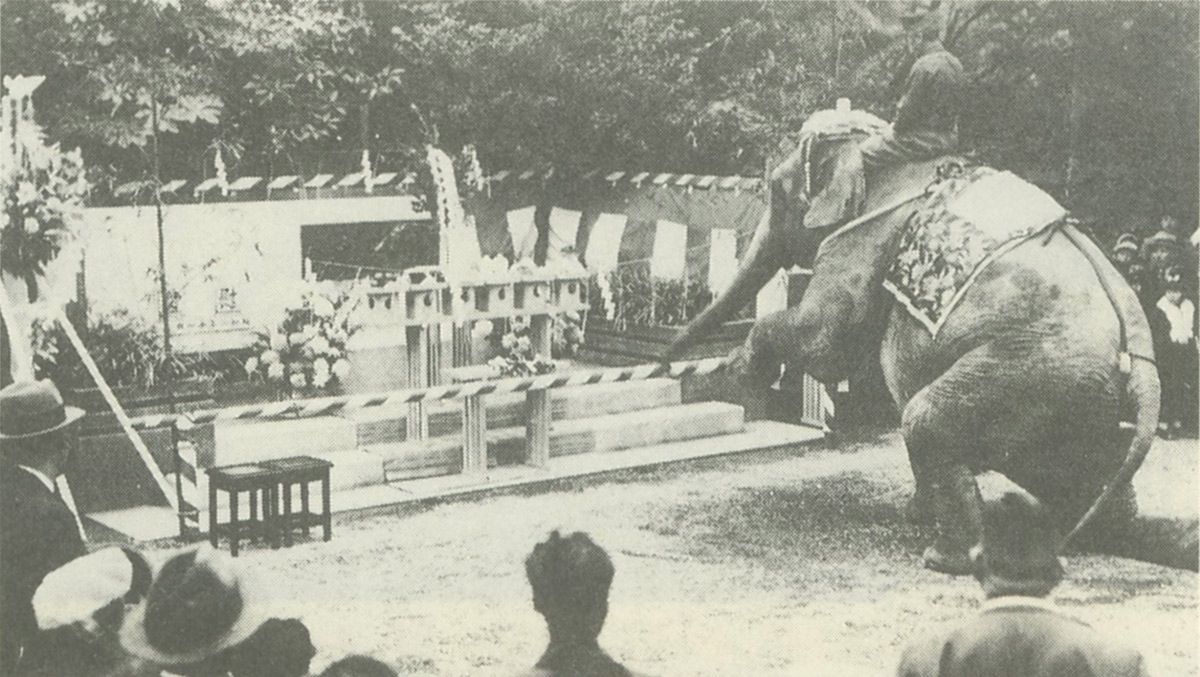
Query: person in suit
(1019, 631)
(570, 578)
(38, 531)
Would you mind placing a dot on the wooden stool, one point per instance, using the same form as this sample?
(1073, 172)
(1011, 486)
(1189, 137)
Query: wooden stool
(272, 480)
(234, 479)
(302, 470)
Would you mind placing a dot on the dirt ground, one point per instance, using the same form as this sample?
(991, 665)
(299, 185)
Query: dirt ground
(794, 562)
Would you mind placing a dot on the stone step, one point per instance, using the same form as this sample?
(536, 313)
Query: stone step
(506, 446)
(145, 523)
(385, 425)
(261, 440)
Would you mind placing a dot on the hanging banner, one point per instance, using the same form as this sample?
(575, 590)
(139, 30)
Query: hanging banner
(522, 231)
(669, 256)
(564, 224)
(722, 259)
(604, 242)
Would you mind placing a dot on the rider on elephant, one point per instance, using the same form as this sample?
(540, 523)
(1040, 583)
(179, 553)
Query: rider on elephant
(925, 127)
(926, 122)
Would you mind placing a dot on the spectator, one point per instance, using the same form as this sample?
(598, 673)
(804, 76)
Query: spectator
(570, 578)
(280, 648)
(1175, 347)
(199, 606)
(1126, 252)
(38, 531)
(79, 609)
(1018, 631)
(359, 666)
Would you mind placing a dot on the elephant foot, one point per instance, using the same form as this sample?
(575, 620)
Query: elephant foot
(919, 512)
(955, 564)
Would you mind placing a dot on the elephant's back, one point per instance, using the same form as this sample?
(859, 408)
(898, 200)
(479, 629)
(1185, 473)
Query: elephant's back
(1043, 297)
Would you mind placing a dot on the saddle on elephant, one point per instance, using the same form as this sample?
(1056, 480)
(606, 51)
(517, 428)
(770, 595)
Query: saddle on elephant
(968, 218)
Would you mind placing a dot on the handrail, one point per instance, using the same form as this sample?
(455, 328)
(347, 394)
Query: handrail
(324, 406)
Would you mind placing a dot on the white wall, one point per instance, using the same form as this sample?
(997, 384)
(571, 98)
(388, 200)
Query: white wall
(250, 247)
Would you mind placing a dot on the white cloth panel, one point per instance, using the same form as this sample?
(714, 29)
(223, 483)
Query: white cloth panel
(773, 296)
(604, 242)
(522, 232)
(564, 225)
(670, 250)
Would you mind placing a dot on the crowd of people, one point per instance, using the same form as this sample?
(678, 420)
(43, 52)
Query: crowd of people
(115, 612)
(1161, 270)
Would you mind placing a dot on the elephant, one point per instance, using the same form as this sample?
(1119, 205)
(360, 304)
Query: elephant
(1030, 375)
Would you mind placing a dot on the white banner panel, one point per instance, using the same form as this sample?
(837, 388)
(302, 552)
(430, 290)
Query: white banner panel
(564, 225)
(670, 250)
(522, 232)
(604, 242)
(722, 259)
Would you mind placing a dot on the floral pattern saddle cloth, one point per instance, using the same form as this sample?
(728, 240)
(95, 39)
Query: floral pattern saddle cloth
(970, 215)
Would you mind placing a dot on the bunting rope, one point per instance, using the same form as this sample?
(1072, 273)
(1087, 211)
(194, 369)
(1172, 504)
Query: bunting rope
(326, 406)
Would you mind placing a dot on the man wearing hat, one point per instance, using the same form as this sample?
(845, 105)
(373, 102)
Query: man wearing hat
(926, 121)
(200, 606)
(38, 531)
(1125, 252)
(1018, 631)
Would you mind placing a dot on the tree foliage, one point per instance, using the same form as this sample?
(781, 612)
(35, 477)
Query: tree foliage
(1095, 99)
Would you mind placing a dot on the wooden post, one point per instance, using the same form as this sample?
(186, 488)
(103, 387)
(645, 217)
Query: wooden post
(416, 347)
(537, 402)
(474, 452)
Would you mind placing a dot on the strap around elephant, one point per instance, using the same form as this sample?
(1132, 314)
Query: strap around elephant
(871, 216)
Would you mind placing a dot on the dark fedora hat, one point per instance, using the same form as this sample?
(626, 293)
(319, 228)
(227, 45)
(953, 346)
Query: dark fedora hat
(1020, 546)
(200, 604)
(32, 408)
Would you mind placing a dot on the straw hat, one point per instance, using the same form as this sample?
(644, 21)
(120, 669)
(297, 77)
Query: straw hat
(200, 604)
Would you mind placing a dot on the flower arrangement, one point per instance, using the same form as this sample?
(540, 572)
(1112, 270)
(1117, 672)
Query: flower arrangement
(516, 356)
(44, 189)
(306, 350)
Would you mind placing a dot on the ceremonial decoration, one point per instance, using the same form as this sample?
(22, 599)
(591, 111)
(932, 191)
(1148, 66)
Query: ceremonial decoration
(971, 214)
(307, 349)
(44, 189)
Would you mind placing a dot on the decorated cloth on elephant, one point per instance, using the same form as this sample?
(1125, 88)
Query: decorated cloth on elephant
(969, 217)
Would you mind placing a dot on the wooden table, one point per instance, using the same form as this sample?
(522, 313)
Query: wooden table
(272, 480)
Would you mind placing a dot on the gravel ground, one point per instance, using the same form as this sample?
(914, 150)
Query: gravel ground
(784, 563)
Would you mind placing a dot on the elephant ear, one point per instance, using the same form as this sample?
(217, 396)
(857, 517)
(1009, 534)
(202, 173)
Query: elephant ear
(844, 190)
(840, 318)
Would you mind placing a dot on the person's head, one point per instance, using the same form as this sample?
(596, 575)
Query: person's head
(1019, 551)
(359, 666)
(199, 606)
(1173, 284)
(279, 648)
(570, 578)
(1126, 249)
(1161, 247)
(36, 428)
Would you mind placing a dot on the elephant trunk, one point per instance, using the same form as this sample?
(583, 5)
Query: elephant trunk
(762, 260)
(1144, 389)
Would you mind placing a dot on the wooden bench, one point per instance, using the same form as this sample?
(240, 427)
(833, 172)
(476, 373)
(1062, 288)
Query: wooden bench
(271, 480)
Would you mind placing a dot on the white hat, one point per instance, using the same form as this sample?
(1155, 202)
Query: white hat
(78, 589)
